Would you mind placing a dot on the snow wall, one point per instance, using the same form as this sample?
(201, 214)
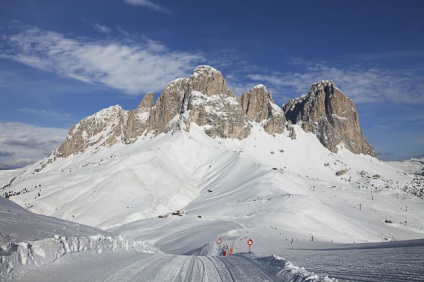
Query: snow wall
(16, 258)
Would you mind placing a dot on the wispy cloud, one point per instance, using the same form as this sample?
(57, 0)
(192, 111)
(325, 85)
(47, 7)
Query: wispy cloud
(133, 66)
(23, 144)
(47, 114)
(363, 85)
(147, 4)
(102, 28)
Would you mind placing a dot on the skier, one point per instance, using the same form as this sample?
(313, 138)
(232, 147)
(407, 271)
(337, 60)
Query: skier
(225, 250)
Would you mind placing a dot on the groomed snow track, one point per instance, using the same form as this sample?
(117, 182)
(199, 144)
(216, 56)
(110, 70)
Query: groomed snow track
(136, 266)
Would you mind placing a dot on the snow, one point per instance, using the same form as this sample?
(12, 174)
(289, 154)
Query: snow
(29, 240)
(216, 105)
(204, 70)
(259, 86)
(156, 267)
(270, 188)
(414, 165)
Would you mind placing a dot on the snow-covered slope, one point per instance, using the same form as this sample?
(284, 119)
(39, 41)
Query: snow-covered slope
(29, 240)
(18, 224)
(414, 165)
(263, 182)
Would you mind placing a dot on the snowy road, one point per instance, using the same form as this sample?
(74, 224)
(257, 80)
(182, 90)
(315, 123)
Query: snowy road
(148, 267)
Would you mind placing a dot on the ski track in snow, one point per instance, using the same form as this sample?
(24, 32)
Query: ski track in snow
(148, 267)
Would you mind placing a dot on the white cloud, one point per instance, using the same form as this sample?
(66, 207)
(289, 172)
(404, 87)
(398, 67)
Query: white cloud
(22, 144)
(361, 84)
(133, 67)
(102, 28)
(147, 4)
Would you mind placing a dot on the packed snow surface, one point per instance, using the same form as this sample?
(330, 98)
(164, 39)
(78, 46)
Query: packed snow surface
(157, 267)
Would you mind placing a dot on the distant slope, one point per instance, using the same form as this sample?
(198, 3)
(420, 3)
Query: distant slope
(413, 165)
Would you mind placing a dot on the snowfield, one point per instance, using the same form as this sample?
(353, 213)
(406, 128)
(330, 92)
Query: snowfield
(182, 190)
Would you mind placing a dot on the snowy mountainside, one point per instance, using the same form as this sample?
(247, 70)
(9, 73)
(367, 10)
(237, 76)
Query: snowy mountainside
(413, 165)
(260, 184)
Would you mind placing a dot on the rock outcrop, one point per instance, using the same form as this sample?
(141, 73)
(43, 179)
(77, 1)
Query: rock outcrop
(102, 129)
(258, 105)
(139, 119)
(203, 99)
(331, 116)
(210, 102)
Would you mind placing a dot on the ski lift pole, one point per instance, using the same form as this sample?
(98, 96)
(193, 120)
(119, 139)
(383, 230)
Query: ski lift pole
(232, 247)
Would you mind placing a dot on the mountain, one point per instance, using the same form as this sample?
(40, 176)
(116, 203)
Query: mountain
(331, 116)
(205, 99)
(258, 105)
(201, 163)
(413, 165)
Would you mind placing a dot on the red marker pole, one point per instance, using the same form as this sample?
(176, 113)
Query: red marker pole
(250, 243)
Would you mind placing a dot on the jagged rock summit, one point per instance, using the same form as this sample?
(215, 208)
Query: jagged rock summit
(331, 116)
(205, 99)
(259, 106)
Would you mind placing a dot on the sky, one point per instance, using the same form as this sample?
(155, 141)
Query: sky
(61, 61)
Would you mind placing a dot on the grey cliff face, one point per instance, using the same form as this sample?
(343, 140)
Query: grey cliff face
(258, 105)
(165, 115)
(205, 99)
(331, 116)
(139, 119)
(102, 129)
(210, 102)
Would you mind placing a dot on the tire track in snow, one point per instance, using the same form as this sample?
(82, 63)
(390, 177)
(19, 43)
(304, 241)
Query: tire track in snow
(215, 269)
(152, 268)
(244, 269)
(192, 270)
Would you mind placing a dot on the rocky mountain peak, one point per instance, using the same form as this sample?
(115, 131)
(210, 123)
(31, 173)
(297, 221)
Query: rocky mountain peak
(210, 102)
(205, 71)
(258, 105)
(209, 81)
(205, 99)
(331, 116)
(323, 85)
(147, 102)
(103, 129)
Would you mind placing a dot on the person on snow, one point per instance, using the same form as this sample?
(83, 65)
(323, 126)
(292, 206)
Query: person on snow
(225, 250)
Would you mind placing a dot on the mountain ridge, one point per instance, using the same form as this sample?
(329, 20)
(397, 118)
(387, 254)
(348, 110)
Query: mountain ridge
(205, 99)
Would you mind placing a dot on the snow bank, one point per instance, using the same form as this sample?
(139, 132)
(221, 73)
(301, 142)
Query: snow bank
(287, 271)
(24, 256)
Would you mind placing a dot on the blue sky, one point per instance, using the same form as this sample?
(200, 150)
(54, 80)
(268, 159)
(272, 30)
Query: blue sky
(61, 61)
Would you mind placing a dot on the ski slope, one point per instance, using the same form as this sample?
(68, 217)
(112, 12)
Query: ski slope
(277, 190)
(156, 267)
